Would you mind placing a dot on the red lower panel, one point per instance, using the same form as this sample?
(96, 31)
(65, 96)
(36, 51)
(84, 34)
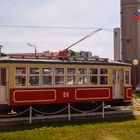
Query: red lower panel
(128, 93)
(37, 95)
(59, 95)
(93, 94)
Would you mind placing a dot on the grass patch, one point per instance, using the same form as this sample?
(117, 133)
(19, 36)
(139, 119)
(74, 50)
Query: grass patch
(135, 108)
(111, 128)
(136, 95)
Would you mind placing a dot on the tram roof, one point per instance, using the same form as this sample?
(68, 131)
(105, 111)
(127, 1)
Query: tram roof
(49, 61)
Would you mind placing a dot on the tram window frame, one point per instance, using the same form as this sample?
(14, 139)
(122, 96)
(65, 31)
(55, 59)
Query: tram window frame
(71, 76)
(3, 73)
(82, 76)
(47, 77)
(33, 77)
(20, 77)
(127, 80)
(103, 75)
(59, 76)
(93, 76)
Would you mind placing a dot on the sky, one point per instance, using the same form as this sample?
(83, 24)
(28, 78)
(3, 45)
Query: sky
(46, 25)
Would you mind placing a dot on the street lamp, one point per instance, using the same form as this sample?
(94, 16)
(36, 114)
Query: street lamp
(0, 49)
(135, 63)
(32, 45)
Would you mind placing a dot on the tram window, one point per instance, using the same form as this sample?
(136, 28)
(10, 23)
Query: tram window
(82, 71)
(71, 80)
(20, 77)
(82, 78)
(71, 70)
(34, 76)
(127, 77)
(103, 71)
(59, 80)
(47, 76)
(103, 76)
(59, 70)
(20, 70)
(46, 80)
(93, 71)
(34, 70)
(114, 77)
(71, 77)
(3, 77)
(93, 79)
(59, 76)
(34, 80)
(20, 80)
(103, 80)
(47, 71)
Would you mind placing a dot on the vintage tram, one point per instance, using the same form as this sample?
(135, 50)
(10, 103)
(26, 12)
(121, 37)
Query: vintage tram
(32, 81)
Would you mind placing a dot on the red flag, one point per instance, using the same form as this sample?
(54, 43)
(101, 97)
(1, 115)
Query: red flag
(136, 17)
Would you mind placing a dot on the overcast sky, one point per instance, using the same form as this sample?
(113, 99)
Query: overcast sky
(58, 13)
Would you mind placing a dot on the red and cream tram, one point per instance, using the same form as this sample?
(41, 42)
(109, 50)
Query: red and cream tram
(25, 82)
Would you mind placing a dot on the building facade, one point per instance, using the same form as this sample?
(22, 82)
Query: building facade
(130, 37)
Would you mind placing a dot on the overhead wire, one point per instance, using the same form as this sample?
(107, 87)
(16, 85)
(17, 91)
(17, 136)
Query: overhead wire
(51, 27)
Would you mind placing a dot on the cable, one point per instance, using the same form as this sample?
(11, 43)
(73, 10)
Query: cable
(50, 27)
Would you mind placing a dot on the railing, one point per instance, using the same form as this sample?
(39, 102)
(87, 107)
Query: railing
(69, 108)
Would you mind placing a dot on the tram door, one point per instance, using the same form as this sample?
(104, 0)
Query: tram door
(3, 86)
(117, 84)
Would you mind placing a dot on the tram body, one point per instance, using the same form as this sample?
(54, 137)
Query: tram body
(25, 82)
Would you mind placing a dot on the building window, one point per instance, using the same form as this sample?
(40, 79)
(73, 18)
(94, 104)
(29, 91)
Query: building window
(93, 79)
(20, 76)
(82, 76)
(47, 76)
(103, 76)
(71, 76)
(34, 76)
(59, 76)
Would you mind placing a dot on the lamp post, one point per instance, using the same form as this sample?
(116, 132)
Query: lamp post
(135, 63)
(0, 49)
(32, 45)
